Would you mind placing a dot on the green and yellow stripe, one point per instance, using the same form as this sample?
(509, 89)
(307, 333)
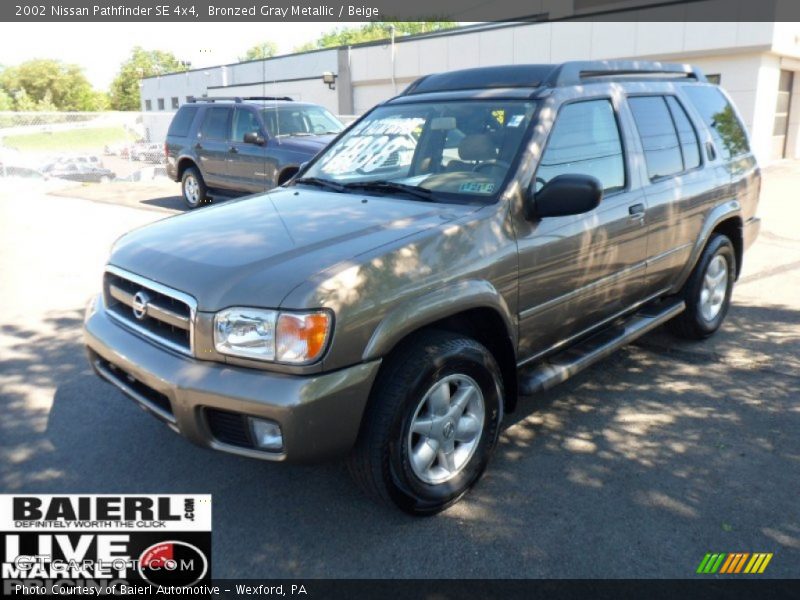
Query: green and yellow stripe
(734, 562)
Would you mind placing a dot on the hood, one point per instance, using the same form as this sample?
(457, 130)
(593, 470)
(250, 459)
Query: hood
(307, 144)
(254, 251)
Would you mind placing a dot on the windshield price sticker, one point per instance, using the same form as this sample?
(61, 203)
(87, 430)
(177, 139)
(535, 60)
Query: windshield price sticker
(104, 544)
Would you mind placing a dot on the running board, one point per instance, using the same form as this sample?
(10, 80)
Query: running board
(562, 366)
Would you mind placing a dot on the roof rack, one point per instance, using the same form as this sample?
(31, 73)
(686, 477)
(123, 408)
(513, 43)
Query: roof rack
(237, 99)
(577, 72)
(549, 75)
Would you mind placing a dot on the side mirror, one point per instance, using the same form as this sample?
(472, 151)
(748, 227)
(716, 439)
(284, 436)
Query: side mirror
(564, 195)
(253, 137)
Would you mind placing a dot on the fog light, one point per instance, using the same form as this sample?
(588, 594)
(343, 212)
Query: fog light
(267, 434)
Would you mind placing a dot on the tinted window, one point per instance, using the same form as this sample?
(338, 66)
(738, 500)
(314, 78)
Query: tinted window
(717, 113)
(585, 140)
(244, 121)
(215, 124)
(687, 136)
(659, 139)
(182, 121)
(299, 120)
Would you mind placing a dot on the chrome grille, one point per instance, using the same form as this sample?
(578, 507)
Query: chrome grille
(149, 308)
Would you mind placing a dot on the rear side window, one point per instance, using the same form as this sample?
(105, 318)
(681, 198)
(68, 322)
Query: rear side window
(585, 141)
(182, 121)
(717, 113)
(687, 136)
(215, 123)
(659, 139)
(668, 138)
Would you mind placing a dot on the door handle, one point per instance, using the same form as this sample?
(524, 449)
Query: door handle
(636, 211)
(233, 150)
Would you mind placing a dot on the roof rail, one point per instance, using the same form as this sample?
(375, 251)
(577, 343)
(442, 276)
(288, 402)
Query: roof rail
(237, 98)
(578, 72)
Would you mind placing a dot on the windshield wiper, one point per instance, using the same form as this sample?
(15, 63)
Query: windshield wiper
(323, 183)
(393, 186)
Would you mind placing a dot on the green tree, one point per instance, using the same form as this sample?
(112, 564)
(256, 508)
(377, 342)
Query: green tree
(262, 50)
(125, 93)
(45, 84)
(369, 32)
(6, 101)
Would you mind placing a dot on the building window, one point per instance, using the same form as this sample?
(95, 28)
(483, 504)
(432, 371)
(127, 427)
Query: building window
(160, 104)
(189, 98)
(148, 105)
(175, 102)
(714, 78)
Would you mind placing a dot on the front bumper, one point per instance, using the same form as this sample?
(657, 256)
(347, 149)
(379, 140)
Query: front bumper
(319, 415)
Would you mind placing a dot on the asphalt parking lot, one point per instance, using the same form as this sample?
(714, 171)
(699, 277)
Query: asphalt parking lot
(635, 468)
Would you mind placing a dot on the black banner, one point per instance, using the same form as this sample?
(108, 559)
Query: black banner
(387, 10)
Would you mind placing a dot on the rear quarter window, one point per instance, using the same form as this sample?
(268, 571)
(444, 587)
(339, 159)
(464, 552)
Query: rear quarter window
(717, 113)
(182, 121)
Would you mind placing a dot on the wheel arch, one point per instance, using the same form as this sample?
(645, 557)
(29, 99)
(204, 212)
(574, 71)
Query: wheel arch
(183, 164)
(286, 173)
(725, 218)
(474, 309)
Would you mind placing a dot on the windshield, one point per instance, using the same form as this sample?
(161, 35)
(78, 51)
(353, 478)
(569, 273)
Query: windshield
(455, 150)
(299, 120)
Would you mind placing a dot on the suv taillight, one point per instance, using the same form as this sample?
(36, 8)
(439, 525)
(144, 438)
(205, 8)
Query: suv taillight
(166, 152)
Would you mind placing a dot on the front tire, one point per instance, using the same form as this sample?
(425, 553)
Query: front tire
(193, 187)
(431, 424)
(708, 291)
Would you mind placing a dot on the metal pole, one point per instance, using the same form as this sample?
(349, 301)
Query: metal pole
(394, 84)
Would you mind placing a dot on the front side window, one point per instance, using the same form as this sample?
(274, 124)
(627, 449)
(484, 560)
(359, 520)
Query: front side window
(453, 150)
(585, 140)
(244, 121)
(215, 124)
(717, 113)
(283, 121)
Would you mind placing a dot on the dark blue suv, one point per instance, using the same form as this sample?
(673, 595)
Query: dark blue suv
(243, 144)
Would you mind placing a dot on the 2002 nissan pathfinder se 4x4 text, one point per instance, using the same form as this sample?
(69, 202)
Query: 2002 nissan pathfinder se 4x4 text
(479, 238)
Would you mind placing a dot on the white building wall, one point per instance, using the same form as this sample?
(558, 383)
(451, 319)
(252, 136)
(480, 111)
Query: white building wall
(247, 78)
(747, 56)
(300, 91)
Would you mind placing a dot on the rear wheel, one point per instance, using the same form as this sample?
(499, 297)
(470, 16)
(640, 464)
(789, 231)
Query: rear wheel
(431, 424)
(193, 187)
(708, 291)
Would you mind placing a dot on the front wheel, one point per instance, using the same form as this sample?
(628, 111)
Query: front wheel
(431, 424)
(708, 291)
(193, 187)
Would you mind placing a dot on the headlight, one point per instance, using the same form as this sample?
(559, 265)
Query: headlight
(286, 337)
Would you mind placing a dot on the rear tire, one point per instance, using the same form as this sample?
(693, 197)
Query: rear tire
(708, 291)
(193, 188)
(431, 424)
